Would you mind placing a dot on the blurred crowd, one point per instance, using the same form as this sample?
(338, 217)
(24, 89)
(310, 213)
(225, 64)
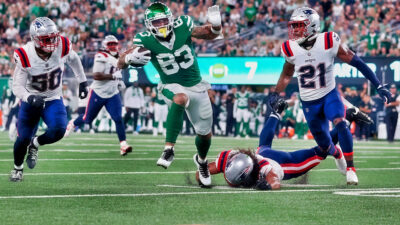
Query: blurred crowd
(250, 27)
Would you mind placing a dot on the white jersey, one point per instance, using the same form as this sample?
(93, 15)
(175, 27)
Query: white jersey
(313, 67)
(265, 165)
(107, 64)
(35, 76)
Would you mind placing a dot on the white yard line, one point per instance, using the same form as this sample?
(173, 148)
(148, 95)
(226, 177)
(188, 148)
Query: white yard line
(169, 172)
(205, 192)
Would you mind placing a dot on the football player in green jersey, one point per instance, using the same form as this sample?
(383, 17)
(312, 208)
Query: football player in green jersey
(241, 112)
(168, 40)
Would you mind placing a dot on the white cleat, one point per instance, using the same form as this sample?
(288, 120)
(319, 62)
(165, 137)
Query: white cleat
(70, 128)
(204, 173)
(351, 176)
(341, 162)
(125, 149)
(166, 157)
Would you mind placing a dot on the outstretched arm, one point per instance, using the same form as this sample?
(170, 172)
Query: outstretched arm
(348, 56)
(286, 76)
(212, 30)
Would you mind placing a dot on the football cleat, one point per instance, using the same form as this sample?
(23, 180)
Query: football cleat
(125, 149)
(351, 176)
(204, 173)
(341, 162)
(354, 114)
(280, 106)
(16, 175)
(166, 157)
(33, 155)
(70, 128)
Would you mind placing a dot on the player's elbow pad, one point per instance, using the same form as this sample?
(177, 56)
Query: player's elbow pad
(358, 63)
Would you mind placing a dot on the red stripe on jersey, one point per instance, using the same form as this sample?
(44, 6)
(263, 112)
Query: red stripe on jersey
(301, 163)
(263, 163)
(348, 154)
(331, 39)
(20, 57)
(105, 55)
(65, 46)
(289, 49)
(26, 56)
(284, 49)
(326, 41)
(302, 170)
(225, 160)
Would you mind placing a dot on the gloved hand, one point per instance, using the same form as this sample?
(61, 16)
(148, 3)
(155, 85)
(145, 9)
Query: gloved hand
(117, 75)
(83, 91)
(262, 184)
(36, 101)
(273, 99)
(214, 16)
(384, 93)
(137, 57)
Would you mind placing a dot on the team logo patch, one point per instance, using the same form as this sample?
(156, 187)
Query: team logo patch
(308, 12)
(38, 25)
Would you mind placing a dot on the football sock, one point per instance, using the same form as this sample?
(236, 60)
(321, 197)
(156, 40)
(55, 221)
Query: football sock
(35, 142)
(155, 124)
(237, 128)
(334, 136)
(319, 152)
(174, 122)
(346, 142)
(268, 131)
(21, 167)
(20, 149)
(79, 121)
(333, 151)
(203, 145)
(246, 128)
(119, 126)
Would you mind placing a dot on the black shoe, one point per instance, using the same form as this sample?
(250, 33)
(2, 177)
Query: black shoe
(33, 155)
(354, 114)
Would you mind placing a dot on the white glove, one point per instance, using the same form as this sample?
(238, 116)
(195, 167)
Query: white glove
(214, 16)
(117, 75)
(137, 57)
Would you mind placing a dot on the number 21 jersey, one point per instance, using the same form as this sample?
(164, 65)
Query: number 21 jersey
(313, 67)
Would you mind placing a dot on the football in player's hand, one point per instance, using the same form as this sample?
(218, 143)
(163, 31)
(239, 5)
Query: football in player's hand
(143, 58)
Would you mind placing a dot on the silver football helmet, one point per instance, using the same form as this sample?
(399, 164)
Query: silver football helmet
(110, 43)
(238, 169)
(44, 34)
(303, 24)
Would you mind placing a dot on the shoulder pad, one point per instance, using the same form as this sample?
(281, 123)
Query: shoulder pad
(286, 49)
(21, 57)
(100, 56)
(66, 46)
(139, 38)
(221, 160)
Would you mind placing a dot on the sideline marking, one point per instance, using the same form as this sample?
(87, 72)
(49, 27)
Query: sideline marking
(248, 191)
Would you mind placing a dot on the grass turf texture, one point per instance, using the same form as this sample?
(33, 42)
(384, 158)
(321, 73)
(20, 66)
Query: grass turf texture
(83, 180)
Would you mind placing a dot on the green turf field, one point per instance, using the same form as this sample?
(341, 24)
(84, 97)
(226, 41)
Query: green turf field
(83, 180)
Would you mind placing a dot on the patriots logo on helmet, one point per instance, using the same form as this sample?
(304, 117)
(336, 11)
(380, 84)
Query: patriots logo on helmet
(308, 12)
(38, 24)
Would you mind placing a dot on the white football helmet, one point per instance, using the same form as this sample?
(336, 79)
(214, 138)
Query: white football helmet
(110, 44)
(44, 34)
(238, 169)
(303, 25)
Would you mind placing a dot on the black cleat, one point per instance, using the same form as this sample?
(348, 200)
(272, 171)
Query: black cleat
(354, 114)
(32, 156)
(166, 157)
(280, 106)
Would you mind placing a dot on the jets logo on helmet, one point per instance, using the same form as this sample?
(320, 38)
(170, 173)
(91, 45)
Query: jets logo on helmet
(110, 44)
(44, 34)
(303, 25)
(159, 20)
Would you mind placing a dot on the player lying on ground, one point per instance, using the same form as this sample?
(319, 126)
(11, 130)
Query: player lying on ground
(37, 79)
(310, 55)
(267, 167)
(169, 48)
(104, 91)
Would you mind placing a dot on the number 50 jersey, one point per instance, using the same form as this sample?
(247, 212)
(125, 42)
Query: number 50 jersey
(175, 60)
(33, 75)
(314, 67)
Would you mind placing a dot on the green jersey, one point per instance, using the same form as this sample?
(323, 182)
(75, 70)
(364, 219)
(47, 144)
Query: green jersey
(242, 99)
(175, 61)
